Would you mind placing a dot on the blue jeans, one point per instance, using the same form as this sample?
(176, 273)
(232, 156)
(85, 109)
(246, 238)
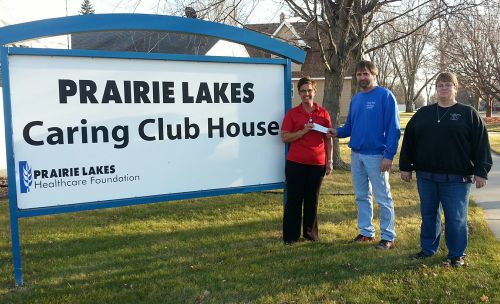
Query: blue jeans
(454, 199)
(368, 178)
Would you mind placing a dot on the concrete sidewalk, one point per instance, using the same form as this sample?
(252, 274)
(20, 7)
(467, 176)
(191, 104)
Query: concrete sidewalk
(488, 197)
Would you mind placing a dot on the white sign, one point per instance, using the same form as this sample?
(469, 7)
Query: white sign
(97, 129)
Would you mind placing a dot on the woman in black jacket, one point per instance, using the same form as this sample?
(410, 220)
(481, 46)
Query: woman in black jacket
(447, 145)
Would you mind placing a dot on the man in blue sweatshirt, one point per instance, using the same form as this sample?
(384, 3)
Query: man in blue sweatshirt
(373, 126)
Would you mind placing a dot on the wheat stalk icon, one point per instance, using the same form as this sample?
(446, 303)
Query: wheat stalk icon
(27, 177)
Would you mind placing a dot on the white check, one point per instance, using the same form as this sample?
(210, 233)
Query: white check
(320, 128)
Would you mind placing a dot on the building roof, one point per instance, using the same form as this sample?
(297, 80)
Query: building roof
(300, 34)
(144, 41)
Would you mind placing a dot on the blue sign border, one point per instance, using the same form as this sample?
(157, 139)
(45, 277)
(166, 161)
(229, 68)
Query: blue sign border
(100, 22)
(117, 22)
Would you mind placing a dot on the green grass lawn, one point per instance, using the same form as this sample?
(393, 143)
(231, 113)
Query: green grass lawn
(228, 250)
(494, 127)
(404, 118)
(494, 138)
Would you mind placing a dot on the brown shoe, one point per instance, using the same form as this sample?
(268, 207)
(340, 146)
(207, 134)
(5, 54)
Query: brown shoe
(362, 238)
(384, 244)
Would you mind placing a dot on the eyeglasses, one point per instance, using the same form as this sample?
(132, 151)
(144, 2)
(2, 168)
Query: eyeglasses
(306, 91)
(445, 85)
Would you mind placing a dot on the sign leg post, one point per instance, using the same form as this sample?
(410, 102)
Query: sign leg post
(16, 249)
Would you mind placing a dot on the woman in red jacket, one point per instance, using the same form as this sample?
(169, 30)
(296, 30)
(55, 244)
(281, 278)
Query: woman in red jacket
(309, 159)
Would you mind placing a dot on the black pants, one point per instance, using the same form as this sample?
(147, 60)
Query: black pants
(303, 183)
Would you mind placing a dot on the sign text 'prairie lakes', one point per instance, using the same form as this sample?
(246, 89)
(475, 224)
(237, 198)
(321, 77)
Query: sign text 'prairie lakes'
(136, 92)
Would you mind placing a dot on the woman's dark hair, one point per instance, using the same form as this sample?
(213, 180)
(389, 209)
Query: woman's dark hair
(306, 80)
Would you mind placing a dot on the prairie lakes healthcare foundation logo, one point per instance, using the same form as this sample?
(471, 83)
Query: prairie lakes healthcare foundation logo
(25, 176)
(69, 177)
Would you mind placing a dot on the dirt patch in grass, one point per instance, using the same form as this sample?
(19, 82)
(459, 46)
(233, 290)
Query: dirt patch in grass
(4, 190)
(492, 120)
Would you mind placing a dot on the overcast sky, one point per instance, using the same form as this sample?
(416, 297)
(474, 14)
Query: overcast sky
(16, 11)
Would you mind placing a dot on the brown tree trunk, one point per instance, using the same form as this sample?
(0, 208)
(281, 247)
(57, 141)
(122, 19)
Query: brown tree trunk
(410, 96)
(475, 101)
(489, 106)
(331, 102)
(409, 106)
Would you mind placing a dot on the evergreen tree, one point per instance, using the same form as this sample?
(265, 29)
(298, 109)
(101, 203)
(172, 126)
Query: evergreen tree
(86, 8)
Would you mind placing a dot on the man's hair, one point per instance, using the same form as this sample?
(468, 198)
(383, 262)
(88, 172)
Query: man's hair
(306, 80)
(447, 77)
(365, 64)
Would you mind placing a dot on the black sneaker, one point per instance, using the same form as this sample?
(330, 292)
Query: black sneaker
(362, 238)
(455, 262)
(422, 255)
(385, 245)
